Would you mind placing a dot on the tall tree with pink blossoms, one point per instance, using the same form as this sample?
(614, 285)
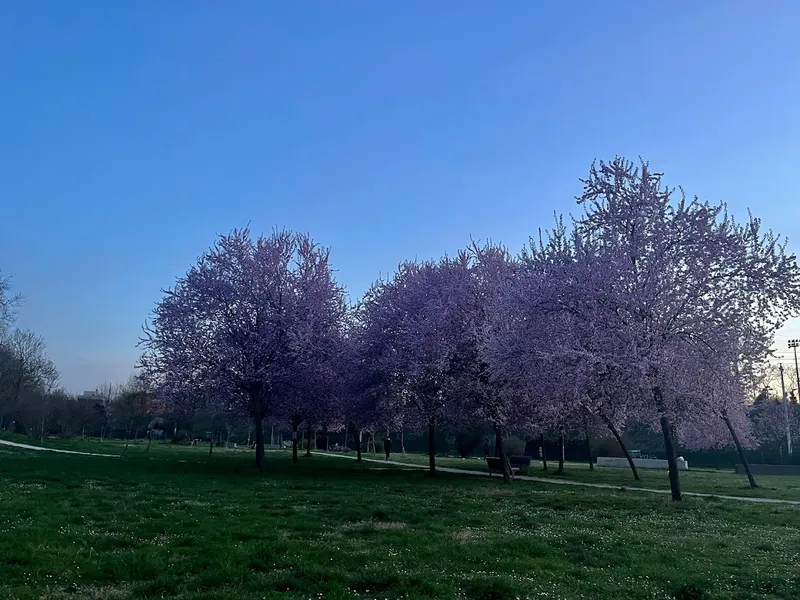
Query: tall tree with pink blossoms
(494, 395)
(415, 327)
(551, 339)
(680, 275)
(241, 320)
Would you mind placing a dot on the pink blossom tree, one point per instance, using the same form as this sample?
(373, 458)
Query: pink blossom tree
(415, 328)
(239, 322)
(681, 275)
(550, 339)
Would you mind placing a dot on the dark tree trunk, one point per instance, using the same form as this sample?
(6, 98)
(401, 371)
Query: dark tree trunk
(294, 443)
(325, 438)
(589, 447)
(739, 449)
(498, 437)
(259, 423)
(669, 446)
(357, 436)
(402, 441)
(544, 454)
(562, 452)
(432, 447)
(623, 446)
(674, 475)
(308, 441)
(211, 447)
(149, 439)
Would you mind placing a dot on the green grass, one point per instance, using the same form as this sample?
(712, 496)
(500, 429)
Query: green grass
(170, 524)
(711, 481)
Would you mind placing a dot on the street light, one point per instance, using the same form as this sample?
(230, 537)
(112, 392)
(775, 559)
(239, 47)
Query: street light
(794, 344)
(786, 413)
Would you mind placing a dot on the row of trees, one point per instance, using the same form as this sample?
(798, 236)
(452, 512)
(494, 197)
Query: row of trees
(647, 308)
(32, 400)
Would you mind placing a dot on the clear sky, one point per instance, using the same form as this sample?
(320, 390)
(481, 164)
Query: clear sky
(131, 133)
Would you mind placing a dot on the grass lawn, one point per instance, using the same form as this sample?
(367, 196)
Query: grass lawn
(712, 481)
(169, 524)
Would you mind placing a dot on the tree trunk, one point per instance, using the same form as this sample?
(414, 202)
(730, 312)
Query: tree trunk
(259, 423)
(42, 431)
(294, 443)
(498, 437)
(357, 435)
(544, 454)
(622, 445)
(2, 416)
(325, 438)
(561, 454)
(432, 447)
(136, 434)
(674, 476)
(739, 449)
(211, 448)
(149, 439)
(589, 447)
(402, 442)
(308, 441)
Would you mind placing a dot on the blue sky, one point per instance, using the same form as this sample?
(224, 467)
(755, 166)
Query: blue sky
(133, 133)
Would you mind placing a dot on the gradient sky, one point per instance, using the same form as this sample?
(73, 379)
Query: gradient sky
(131, 133)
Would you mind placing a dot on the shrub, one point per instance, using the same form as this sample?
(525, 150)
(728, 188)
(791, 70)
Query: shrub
(514, 446)
(468, 441)
(180, 436)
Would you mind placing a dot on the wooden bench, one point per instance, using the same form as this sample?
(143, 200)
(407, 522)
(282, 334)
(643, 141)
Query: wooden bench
(520, 462)
(515, 463)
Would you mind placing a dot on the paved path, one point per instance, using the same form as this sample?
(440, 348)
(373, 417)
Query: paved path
(604, 486)
(29, 447)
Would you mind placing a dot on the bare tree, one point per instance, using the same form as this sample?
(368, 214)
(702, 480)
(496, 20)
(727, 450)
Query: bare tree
(8, 303)
(28, 368)
(107, 394)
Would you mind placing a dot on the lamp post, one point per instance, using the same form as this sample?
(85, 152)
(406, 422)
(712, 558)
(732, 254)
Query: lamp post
(793, 344)
(786, 412)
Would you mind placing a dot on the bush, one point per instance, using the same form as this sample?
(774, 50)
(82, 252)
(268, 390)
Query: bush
(180, 436)
(468, 441)
(514, 446)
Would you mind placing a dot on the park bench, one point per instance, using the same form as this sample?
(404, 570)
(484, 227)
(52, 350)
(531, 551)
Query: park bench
(515, 463)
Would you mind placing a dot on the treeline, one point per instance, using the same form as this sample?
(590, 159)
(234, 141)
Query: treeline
(648, 308)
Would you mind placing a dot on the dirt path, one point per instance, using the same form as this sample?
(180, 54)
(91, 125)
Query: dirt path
(603, 486)
(29, 447)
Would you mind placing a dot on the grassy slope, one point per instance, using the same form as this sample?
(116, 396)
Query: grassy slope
(151, 526)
